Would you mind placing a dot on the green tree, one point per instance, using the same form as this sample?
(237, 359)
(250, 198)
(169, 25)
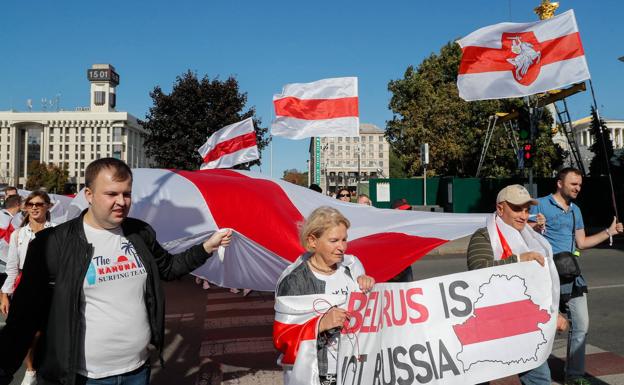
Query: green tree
(49, 177)
(178, 123)
(600, 132)
(37, 174)
(296, 177)
(397, 166)
(427, 109)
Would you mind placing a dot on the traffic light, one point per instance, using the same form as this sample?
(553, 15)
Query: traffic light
(524, 124)
(528, 150)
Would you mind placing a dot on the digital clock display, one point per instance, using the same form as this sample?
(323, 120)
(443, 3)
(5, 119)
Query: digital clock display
(103, 75)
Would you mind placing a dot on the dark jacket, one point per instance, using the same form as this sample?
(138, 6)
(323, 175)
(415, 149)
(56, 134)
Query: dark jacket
(48, 297)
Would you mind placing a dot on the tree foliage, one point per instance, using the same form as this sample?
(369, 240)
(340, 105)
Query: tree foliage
(296, 177)
(600, 132)
(397, 165)
(49, 177)
(178, 123)
(427, 109)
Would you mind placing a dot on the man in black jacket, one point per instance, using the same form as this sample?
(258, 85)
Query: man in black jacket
(92, 287)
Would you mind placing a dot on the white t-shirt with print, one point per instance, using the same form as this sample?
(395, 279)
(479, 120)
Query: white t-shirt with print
(337, 283)
(115, 324)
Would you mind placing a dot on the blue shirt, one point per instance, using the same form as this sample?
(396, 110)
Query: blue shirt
(559, 232)
(559, 223)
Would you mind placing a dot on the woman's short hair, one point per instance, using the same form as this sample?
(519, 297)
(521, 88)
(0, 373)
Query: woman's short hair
(41, 194)
(319, 221)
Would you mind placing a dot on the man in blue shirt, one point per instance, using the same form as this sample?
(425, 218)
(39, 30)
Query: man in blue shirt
(565, 231)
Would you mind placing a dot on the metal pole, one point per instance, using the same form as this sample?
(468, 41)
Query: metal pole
(357, 188)
(425, 185)
(532, 139)
(604, 149)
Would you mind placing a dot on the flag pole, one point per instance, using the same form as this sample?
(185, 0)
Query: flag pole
(604, 149)
(271, 142)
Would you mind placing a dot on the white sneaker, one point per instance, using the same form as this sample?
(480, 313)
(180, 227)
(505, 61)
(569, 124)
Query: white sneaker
(30, 378)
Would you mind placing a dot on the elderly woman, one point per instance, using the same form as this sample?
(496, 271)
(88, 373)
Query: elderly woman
(324, 269)
(37, 218)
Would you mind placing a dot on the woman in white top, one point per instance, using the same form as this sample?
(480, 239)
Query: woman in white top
(37, 218)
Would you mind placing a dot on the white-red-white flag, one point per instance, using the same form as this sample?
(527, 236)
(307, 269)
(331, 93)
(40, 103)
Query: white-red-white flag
(509, 60)
(229, 146)
(327, 107)
(185, 207)
(7, 226)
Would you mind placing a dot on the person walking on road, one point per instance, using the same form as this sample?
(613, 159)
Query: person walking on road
(565, 231)
(92, 286)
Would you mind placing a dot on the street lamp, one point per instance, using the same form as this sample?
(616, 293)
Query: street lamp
(359, 151)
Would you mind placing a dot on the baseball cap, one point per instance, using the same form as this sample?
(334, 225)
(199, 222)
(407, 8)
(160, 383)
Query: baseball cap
(516, 195)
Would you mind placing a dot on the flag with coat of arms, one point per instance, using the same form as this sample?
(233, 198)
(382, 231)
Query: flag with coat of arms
(510, 60)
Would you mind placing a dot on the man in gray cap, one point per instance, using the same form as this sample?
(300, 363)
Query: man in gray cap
(507, 238)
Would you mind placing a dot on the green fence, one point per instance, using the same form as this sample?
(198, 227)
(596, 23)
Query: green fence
(476, 195)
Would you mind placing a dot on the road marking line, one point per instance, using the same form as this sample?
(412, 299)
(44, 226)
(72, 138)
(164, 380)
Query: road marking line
(606, 287)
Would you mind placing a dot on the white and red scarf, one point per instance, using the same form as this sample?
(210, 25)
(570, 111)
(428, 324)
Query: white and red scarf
(295, 329)
(507, 241)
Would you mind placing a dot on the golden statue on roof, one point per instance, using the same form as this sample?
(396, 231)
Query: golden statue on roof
(546, 10)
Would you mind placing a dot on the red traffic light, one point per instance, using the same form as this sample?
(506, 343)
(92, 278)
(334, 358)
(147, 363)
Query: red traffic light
(528, 149)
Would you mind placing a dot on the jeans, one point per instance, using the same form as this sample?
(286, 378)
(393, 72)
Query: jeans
(579, 317)
(140, 376)
(537, 376)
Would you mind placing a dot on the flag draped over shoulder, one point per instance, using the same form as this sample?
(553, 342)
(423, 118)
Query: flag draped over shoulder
(229, 146)
(6, 229)
(296, 325)
(510, 60)
(327, 107)
(186, 207)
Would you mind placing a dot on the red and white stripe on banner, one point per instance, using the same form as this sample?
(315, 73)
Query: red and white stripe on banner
(327, 107)
(487, 331)
(185, 207)
(230, 145)
(518, 59)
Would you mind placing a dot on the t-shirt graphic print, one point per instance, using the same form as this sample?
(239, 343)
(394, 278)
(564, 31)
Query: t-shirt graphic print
(115, 325)
(111, 268)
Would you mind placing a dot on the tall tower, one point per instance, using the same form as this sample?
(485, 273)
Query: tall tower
(103, 80)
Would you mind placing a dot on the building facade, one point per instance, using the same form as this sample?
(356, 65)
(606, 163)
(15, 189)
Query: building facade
(75, 137)
(584, 138)
(337, 162)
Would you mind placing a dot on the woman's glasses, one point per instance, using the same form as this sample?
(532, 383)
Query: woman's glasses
(32, 205)
(344, 195)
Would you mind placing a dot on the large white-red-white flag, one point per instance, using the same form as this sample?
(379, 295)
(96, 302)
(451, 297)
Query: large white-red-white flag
(510, 60)
(229, 146)
(186, 207)
(327, 107)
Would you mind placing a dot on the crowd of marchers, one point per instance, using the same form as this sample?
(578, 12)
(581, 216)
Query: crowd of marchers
(68, 325)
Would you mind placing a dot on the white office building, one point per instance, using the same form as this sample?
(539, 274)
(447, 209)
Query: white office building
(343, 161)
(73, 137)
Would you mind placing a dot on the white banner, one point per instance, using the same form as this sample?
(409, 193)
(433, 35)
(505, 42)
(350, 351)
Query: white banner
(463, 328)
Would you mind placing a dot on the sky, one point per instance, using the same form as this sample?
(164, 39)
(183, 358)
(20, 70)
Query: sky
(48, 46)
